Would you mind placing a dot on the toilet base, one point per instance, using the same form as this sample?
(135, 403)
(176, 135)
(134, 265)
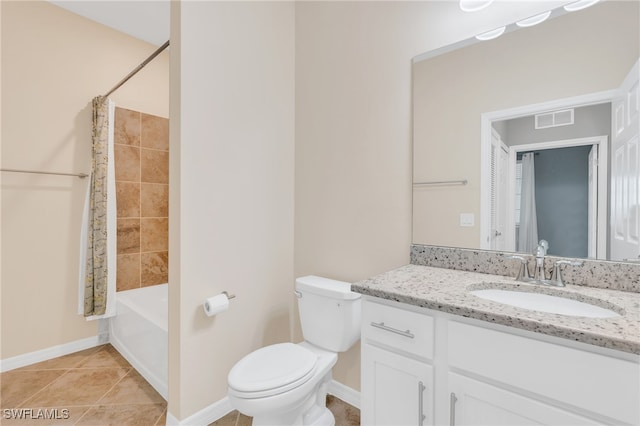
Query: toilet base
(313, 412)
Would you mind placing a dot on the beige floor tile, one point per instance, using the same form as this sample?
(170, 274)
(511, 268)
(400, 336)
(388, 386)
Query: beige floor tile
(63, 362)
(345, 414)
(122, 415)
(132, 389)
(162, 421)
(58, 416)
(244, 420)
(108, 357)
(20, 385)
(78, 387)
(228, 420)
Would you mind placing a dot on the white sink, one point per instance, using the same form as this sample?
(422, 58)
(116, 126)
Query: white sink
(545, 303)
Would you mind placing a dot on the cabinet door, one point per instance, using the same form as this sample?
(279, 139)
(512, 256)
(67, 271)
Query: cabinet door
(396, 390)
(476, 403)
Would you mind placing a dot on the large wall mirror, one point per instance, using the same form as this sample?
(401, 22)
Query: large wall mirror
(533, 135)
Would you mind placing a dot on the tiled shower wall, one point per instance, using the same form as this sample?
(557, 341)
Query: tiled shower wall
(142, 197)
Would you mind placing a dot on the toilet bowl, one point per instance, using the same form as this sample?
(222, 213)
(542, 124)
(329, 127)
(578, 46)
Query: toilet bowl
(286, 383)
(256, 391)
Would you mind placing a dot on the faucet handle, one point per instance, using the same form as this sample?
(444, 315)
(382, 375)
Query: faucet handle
(556, 276)
(523, 272)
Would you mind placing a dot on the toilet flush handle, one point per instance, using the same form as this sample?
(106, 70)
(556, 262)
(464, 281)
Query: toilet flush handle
(298, 294)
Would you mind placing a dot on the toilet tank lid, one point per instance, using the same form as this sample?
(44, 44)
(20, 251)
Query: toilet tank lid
(326, 287)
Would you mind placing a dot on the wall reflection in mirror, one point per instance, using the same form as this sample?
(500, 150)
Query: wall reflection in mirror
(543, 125)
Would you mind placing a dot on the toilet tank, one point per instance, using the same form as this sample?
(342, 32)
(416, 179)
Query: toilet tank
(329, 312)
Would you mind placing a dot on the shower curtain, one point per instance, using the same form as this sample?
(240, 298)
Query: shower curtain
(97, 284)
(528, 231)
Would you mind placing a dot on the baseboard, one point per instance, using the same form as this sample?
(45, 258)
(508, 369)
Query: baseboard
(221, 408)
(345, 393)
(206, 416)
(48, 353)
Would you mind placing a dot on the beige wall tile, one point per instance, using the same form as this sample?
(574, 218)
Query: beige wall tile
(155, 132)
(154, 234)
(127, 127)
(127, 163)
(154, 166)
(128, 199)
(128, 236)
(128, 271)
(155, 268)
(154, 200)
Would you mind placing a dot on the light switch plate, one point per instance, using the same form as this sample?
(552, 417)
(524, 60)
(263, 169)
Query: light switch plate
(467, 219)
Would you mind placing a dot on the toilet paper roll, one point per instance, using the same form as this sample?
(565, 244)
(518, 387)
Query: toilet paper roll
(216, 304)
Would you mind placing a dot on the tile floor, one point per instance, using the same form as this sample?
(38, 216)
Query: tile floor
(345, 414)
(98, 387)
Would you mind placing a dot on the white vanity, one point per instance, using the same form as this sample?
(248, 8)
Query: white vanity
(434, 354)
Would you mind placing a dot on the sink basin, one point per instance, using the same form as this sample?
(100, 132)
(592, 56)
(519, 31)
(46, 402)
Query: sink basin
(545, 303)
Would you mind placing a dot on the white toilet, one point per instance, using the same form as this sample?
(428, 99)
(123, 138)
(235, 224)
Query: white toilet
(286, 384)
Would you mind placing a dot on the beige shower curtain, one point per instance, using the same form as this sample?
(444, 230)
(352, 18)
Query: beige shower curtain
(96, 269)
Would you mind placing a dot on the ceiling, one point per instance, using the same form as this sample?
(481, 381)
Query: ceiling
(146, 20)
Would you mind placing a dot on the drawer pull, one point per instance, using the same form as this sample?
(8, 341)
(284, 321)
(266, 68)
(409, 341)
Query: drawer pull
(381, 325)
(421, 415)
(452, 409)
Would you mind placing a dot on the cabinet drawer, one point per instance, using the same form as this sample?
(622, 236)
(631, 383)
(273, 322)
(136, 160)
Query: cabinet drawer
(591, 381)
(403, 330)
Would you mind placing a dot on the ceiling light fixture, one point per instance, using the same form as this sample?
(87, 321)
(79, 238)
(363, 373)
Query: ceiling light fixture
(474, 5)
(489, 35)
(579, 5)
(534, 20)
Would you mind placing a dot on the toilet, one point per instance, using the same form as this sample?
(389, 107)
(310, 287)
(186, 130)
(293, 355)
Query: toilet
(286, 383)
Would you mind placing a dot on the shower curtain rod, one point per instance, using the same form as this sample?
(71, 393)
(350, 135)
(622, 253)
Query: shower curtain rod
(138, 68)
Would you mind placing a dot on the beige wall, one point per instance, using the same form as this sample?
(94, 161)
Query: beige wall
(576, 54)
(53, 64)
(353, 132)
(231, 190)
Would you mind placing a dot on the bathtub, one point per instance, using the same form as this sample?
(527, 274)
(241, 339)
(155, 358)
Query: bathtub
(139, 332)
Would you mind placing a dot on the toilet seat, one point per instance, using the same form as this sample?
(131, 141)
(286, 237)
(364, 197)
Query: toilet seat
(272, 370)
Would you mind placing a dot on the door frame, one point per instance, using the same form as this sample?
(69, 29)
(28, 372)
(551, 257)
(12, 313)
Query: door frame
(506, 114)
(602, 142)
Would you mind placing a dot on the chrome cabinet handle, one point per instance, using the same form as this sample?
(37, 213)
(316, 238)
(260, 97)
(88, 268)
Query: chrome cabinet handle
(421, 415)
(452, 409)
(381, 325)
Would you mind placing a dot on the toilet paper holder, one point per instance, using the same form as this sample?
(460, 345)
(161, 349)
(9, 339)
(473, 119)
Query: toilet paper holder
(229, 296)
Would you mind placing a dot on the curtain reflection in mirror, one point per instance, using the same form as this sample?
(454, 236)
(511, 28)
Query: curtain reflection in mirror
(528, 227)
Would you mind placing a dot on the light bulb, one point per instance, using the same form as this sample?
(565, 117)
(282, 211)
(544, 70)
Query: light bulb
(579, 5)
(489, 35)
(534, 20)
(474, 5)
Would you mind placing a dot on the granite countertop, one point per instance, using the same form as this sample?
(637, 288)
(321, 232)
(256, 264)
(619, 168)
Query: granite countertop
(448, 291)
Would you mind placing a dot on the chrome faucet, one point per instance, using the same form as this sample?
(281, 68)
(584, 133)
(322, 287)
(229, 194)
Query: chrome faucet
(539, 276)
(523, 271)
(556, 276)
(541, 251)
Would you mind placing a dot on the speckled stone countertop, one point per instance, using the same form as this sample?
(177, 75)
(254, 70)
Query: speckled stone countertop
(448, 291)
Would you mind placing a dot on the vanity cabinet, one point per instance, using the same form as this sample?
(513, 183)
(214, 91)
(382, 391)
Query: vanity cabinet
(476, 373)
(397, 378)
(477, 403)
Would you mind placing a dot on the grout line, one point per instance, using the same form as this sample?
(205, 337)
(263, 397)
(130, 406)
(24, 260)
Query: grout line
(42, 388)
(140, 205)
(97, 402)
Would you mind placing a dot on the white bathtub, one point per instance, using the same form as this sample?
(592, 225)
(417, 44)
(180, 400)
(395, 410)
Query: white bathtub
(139, 332)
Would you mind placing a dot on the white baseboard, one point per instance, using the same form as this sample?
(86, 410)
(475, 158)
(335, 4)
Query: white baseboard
(221, 408)
(206, 416)
(345, 393)
(48, 353)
